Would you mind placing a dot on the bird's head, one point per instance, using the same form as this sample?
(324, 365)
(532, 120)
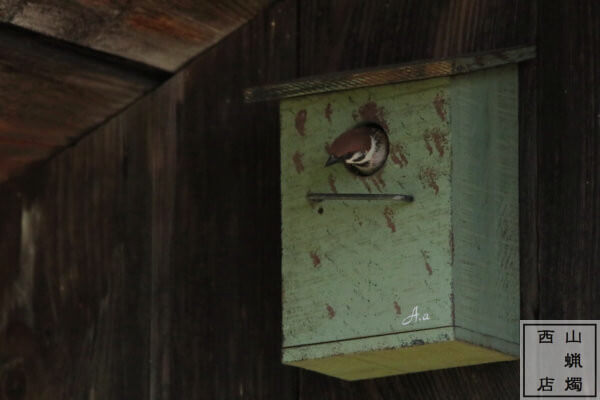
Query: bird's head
(363, 148)
(352, 146)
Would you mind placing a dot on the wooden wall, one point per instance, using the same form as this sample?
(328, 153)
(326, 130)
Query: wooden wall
(68, 66)
(145, 261)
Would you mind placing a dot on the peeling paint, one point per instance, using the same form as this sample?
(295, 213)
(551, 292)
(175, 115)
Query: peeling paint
(331, 181)
(315, 259)
(388, 213)
(330, 311)
(398, 155)
(300, 122)
(426, 258)
(439, 139)
(397, 308)
(370, 112)
(364, 182)
(427, 144)
(357, 217)
(378, 176)
(328, 112)
(428, 177)
(439, 103)
(376, 183)
(297, 159)
(441, 142)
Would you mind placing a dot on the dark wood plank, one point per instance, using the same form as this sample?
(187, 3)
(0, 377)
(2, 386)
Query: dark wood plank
(162, 119)
(217, 280)
(569, 160)
(159, 33)
(348, 34)
(10, 243)
(75, 308)
(357, 34)
(51, 94)
(528, 191)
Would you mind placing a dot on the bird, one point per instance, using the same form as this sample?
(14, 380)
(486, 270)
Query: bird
(364, 148)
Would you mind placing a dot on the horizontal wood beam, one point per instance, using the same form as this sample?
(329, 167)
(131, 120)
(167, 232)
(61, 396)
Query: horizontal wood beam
(164, 34)
(52, 93)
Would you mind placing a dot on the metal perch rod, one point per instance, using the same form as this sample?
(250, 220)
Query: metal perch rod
(359, 196)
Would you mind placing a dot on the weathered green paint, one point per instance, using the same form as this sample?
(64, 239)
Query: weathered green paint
(485, 207)
(353, 271)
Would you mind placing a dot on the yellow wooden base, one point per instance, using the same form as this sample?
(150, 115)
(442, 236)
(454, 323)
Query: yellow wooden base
(404, 360)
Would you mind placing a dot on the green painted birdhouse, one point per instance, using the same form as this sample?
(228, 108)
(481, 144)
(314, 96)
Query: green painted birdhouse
(374, 286)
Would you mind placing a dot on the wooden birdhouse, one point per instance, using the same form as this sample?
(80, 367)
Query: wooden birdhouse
(373, 286)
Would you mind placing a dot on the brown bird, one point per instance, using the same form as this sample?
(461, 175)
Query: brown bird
(363, 148)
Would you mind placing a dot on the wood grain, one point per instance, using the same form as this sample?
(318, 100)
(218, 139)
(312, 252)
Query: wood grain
(528, 191)
(157, 33)
(216, 263)
(10, 232)
(484, 134)
(75, 308)
(568, 138)
(338, 35)
(136, 280)
(51, 94)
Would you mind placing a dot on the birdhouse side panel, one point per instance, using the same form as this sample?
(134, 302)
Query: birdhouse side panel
(485, 206)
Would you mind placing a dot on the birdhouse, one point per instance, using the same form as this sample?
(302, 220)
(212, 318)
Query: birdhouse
(375, 284)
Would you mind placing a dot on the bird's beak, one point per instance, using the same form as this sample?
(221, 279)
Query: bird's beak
(332, 160)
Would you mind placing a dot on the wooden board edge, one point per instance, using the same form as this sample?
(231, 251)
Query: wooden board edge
(388, 362)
